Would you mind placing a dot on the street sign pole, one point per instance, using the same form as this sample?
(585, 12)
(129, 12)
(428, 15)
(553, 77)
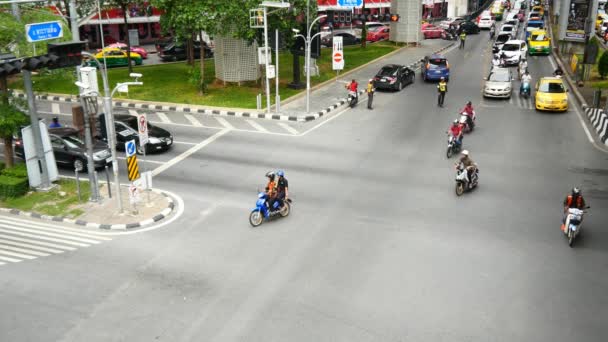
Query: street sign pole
(142, 129)
(45, 182)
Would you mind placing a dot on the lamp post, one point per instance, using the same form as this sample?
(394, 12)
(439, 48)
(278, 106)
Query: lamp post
(307, 41)
(110, 129)
(89, 142)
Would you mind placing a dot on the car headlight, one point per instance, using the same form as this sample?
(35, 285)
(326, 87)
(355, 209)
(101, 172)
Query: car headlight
(154, 141)
(508, 89)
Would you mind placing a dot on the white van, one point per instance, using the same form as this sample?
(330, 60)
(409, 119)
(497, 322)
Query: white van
(485, 22)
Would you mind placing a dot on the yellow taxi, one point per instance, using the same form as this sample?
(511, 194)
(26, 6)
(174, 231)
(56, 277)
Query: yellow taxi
(539, 43)
(116, 57)
(551, 94)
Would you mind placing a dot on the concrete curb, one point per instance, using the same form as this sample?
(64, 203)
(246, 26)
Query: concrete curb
(343, 101)
(160, 216)
(185, 108)
(599, 119)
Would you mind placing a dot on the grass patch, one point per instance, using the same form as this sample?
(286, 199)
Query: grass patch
(169, 82)
(51, 202)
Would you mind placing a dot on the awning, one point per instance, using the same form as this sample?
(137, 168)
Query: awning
(110, 21)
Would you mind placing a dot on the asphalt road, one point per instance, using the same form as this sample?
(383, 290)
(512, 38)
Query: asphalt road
(377, 247)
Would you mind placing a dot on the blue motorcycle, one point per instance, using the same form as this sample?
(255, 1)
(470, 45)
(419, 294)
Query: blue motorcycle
(261, 211)
(524, 89)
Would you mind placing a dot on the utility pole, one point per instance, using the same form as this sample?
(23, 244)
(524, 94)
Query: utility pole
(74, 21)
(31, 103)
(88, 141)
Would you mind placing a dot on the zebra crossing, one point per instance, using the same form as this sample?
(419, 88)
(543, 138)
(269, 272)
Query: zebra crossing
(23, 240)
(514, 100)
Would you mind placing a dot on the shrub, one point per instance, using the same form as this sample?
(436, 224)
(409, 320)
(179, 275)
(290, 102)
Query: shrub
(602, 65)
(11, 187)
(2, 166)
(17, 171)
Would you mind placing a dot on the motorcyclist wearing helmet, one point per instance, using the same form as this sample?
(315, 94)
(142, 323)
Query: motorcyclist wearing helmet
(558, 72)
(496, 61)
(522, 67)
(467, 163)
(574, 200)
(456, 130)
(526, 77)
(271, 189)
(469, 112)
(282, 188)
(353, 88)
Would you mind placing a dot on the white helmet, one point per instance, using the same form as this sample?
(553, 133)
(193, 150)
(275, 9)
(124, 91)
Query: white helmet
(371, 80)
(465, 152)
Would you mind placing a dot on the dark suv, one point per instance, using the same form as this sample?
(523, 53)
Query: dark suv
(178, 52)
(70, 150)
(394, 77)
(126, 130)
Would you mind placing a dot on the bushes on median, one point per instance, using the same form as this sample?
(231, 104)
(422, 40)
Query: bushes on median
(13, 182)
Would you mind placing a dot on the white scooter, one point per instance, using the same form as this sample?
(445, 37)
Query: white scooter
(463, 183)
(573, 224)
(464, 120)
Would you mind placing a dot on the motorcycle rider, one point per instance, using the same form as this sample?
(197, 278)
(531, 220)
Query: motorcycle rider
(469, 112)
(468, 164)
(574, 200)
(525, 78)
(522, 67)
(282, 188)
(442, 88)
(271, 189)
(456, 130)
(492, 31)
(558, 72)
(496, 61)
(353, 89)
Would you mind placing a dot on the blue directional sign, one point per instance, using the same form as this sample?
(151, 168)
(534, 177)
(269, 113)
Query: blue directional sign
(350, 3)
(43, 31)
(130, 148)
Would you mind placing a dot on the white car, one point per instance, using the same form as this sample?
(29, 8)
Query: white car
(485, 22)
(514, 23)
(498, 83)
(510, 29)
(513, 51)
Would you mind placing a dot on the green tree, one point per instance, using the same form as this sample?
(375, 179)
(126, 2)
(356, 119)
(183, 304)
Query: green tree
(602, 65)
(124, 6)
(11, 119)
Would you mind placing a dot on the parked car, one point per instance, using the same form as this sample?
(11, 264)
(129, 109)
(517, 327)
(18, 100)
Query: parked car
(394, 77)
(551, 94)
(510, 29)
(70, 151)
(501, 39)
(498, 83)
(178, 52)
(137, 49)
(445, 24)
(347, 38)
(486, 22)
(469, 27)
(378, 33)
(432, 31)
(115, 57)
(126, 130)
(434, 67)
(539, 43)
(513, 50)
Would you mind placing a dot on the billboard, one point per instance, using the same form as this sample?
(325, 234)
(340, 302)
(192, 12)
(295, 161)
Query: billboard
(577, 15)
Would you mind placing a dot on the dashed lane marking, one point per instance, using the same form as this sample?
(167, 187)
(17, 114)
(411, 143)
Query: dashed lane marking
(55, 108)
(288, 128)
(257, 126)
(224, 123)
(193, 120)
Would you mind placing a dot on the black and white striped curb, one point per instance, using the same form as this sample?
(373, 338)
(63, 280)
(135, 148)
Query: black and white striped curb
(599, 120)
(184, 108)
(158, 217)
(343, 101)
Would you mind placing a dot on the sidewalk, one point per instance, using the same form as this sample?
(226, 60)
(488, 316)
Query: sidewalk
(331, 95)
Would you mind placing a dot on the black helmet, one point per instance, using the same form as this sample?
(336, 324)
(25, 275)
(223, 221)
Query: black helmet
(270, 174)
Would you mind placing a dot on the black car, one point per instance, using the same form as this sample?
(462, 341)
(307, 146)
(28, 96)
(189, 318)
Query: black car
(178, 52)
(469, 27)
(501, 39)
(126, 130)
(394, 77)
(347, 39)
(70, 151)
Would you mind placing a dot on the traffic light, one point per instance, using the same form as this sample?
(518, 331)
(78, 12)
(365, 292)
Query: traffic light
(68, 54)
(395, 17)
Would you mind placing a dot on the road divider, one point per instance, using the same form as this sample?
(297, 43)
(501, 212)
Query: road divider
(599, 119)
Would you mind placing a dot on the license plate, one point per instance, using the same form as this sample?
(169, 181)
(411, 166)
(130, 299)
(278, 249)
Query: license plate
(437, 72)
(383, 80)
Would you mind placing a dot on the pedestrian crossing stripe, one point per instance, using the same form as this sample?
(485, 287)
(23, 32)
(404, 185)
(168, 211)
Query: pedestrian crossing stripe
(132, 168)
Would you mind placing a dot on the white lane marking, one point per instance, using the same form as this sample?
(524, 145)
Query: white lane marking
(193, 120)
(288, 128)
(17, 220)
(189, 152)
(55, 108)
(257, 126)
(11, 231)
(51, 228)
(23, 250)
(17, 255)
(133, 112)
(45, 233)
(9, 259)
(36, 242)
(147, 161)
(2, 263)
(184, 143)
(163, 117)
(224, 123)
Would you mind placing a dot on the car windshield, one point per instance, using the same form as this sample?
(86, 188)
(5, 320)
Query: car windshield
(512, 22)
(535, 25)
(437, 63)
(499, 77)
(510, 47)
(387, 71)
(507, 28)
(552, 87)
(538, 37)
(131, 122)
(375, 28)
(73, 141)
(502, 38)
